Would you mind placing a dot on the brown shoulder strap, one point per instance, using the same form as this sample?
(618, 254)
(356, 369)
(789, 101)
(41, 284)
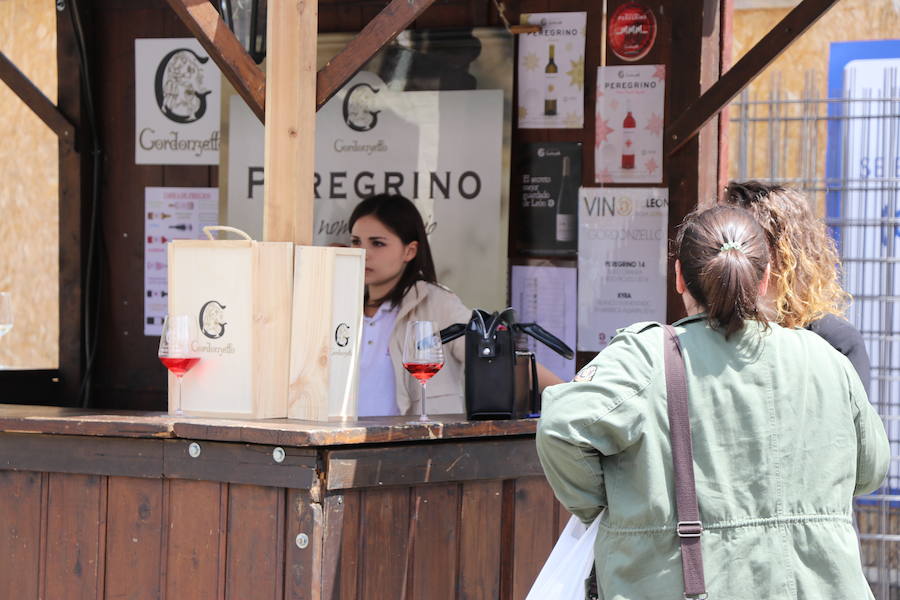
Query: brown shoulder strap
(689, 527)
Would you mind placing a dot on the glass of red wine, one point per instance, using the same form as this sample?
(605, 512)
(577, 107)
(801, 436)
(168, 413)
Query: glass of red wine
(176, 349)
(423, 355)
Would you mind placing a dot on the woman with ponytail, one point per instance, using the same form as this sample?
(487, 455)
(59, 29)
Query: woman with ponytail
(783, 437)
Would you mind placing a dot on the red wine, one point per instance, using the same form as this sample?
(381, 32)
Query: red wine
(179, 366)
(423, 371)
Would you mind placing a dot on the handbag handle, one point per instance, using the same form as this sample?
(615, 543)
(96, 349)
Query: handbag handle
(546, 338)
(208, 229)
(689, 527)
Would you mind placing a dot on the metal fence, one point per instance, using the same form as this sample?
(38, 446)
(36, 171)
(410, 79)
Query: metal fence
(844, 153)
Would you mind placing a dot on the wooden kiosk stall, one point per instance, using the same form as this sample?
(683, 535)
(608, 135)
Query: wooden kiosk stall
(102, 495)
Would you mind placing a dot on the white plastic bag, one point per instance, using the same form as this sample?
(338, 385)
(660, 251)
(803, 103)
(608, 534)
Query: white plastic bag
(569, 564)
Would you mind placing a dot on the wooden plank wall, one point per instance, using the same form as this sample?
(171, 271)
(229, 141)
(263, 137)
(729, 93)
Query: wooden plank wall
(92, 536)
(127, 520)
(412, 539)
(127, 373)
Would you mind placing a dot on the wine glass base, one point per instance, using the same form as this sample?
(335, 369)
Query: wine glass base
(423, 420)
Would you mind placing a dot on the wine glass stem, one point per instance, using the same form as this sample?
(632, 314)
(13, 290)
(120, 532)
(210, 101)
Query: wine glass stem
(422, 415)
(178, 410)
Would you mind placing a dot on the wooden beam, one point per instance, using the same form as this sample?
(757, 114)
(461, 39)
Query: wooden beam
(290, 121)
(710, 71)
(35, 99)
(75, 183)
(394, 18)
(726, 42)
(201, 17)
(738, 77)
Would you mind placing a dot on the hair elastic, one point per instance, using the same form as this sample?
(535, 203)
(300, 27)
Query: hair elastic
(732, 246)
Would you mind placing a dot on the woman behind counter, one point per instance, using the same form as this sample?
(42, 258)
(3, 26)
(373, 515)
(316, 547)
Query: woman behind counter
(401, 287)
(783, 437)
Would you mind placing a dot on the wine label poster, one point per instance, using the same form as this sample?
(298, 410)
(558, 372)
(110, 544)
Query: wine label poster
(170, 214)
(621, 261)
(177, 92)
(551, 175)
(628, 142)
(551, 71)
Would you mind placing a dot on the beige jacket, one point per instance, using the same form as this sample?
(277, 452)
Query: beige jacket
(445, 391)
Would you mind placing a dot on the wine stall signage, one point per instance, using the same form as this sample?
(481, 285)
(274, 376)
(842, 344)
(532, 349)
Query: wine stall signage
(177, 92)
(621, 261)
(441, 149)
(551, 174)
(551, 71)
(628, 142)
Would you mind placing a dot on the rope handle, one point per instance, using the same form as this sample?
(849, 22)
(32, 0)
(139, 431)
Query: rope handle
(210, 228)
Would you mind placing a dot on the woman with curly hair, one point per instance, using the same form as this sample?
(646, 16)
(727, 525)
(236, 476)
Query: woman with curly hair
(804, 286)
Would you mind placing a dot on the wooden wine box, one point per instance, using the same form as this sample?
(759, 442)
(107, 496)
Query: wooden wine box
(326, 332)
(239, 293)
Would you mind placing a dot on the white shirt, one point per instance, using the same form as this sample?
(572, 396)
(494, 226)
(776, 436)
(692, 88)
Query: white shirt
(377, 387)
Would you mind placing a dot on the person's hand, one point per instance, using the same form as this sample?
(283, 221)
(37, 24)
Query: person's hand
(546, 377)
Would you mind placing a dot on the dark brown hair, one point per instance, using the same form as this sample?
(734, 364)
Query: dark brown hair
(723, 254)
(401, 216)
(806, 270)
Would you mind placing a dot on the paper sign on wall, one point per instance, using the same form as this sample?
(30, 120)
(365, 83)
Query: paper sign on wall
(548, 198)
(621, 261)
(441, 149)
(551, 71)
(177, 93)
(629, 124)
(170, 214)
(546, 295)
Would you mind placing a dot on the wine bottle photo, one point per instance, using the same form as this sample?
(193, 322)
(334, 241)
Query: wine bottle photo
(628, 127)
(550, 74)
(566, 204)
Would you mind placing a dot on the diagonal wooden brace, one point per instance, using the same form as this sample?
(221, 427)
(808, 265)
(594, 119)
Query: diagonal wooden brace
(695, 116)
(204, 21)
(394, 18)
(35, 99)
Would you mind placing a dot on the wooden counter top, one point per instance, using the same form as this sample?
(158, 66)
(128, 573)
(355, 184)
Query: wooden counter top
(17, 418)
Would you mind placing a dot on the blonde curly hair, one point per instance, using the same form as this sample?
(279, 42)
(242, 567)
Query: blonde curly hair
(805, 267)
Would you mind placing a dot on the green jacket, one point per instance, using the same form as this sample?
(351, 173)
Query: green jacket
(783, 437)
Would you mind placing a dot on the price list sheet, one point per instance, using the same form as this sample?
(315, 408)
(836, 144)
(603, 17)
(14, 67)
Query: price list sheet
(170, 214)
(546, 295)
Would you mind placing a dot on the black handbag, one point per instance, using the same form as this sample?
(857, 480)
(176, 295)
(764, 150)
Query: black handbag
(491, 361)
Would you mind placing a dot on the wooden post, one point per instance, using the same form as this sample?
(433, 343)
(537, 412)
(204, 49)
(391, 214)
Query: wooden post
(694, 66)
(290, 121)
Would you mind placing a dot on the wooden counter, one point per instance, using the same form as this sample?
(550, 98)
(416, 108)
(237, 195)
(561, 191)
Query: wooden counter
(115, 504)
